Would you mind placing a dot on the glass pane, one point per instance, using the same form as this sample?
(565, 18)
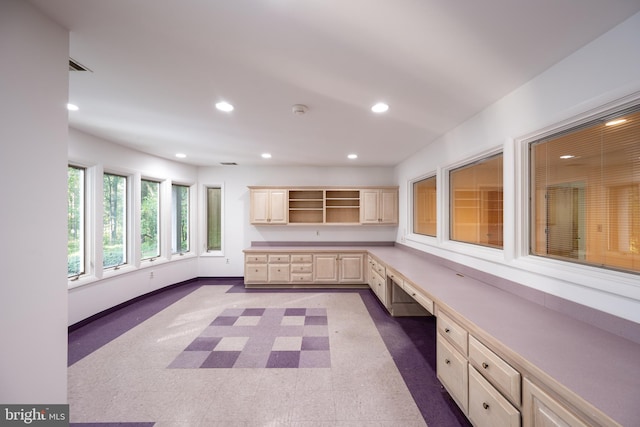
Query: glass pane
(214, 220)
(150, 219)
(585, 196)
(179, 219)
(476, 203)
(424, 207)
(75, 221)
(114, 235)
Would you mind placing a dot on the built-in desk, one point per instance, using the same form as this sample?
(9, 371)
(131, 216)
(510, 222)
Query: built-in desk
(553, 369)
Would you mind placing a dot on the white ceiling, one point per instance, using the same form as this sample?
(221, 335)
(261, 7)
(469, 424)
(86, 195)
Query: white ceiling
(159, 66)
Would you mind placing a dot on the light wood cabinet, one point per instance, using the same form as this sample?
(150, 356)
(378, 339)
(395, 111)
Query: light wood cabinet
(379, 206)
(541, 410)
(324, 205)
(292, 268)
(453, 371)
(495, 369)
(269, 206)
(339, 268)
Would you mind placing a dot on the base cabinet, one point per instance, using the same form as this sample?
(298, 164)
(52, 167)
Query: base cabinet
(541, 410)
(304, 269)
(453, 371)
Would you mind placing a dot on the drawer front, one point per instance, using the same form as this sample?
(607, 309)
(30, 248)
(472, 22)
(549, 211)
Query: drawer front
(256, 259)
(255, 273)
(278, 273)
(493, 368)
(455, 333)
(395, 276)
(301, 268)
(452, 369)
(275, 258)
(420, 298)
(301, 277)
(487, 407)
(302, 258)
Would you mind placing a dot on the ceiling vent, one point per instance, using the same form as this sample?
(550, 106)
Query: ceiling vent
(228, 163)
(76, 66)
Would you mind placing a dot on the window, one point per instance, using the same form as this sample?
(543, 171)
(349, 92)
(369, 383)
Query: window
(150, 219)
(585, 193)
(114, 237)
(424, 206)
(214, 219)
(75, 221)
(179, 218)
(476, 202)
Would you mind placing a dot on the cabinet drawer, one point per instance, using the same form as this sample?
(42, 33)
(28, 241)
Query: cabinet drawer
(255, 273)
(420, 298)
(304, 258)
(273, 258)
(278, 273)
(455, 333)
(487, 407)
(301, 268)
(452, 370)
(257, 258)
(379, 268)
(493, 368)
(301, 277)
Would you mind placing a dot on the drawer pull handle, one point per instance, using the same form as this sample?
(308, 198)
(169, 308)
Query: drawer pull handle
(413, 294)
(485, 405)
(447, 330)
(485, 365)
(447, 361)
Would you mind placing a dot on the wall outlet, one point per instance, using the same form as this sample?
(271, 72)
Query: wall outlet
(227, 260)
(151, 275)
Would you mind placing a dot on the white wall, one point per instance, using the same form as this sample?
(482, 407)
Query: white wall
(100, 290)
(603, 73)
(33, 155)
(238, 233)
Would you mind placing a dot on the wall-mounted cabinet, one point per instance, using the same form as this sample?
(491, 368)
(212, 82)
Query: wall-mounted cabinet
(324, 205)
(269, 206)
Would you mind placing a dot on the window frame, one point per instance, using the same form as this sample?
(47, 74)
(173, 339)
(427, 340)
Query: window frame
(159, 218)
(204, 218)
(190, 204)
(447, 203)
(84, 246)
(413, 235)
(127, 228)
(577, 276)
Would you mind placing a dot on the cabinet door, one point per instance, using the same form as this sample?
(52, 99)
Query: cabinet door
(278, 206)
(279, 273)
(541, 410)
(388, 206)
(268, 206)
(369, 200)
(453, 371)
(325, 268)
(351, 268)
(259, 206)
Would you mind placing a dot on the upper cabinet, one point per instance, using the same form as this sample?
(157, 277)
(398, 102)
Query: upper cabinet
(269, 206)
(324, 205)
(379, 206)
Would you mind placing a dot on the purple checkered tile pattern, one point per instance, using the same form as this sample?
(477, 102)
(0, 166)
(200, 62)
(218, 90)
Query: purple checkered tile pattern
(261, 338)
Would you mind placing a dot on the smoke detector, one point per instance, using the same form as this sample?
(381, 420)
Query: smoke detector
(299, 109)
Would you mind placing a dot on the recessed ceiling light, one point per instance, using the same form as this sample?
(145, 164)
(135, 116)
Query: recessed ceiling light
(567, 156)
(266, 155)
(352, 156)
(380, 107)
(615, 122)
(224, 106)
(72, 107)
(181, 155)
